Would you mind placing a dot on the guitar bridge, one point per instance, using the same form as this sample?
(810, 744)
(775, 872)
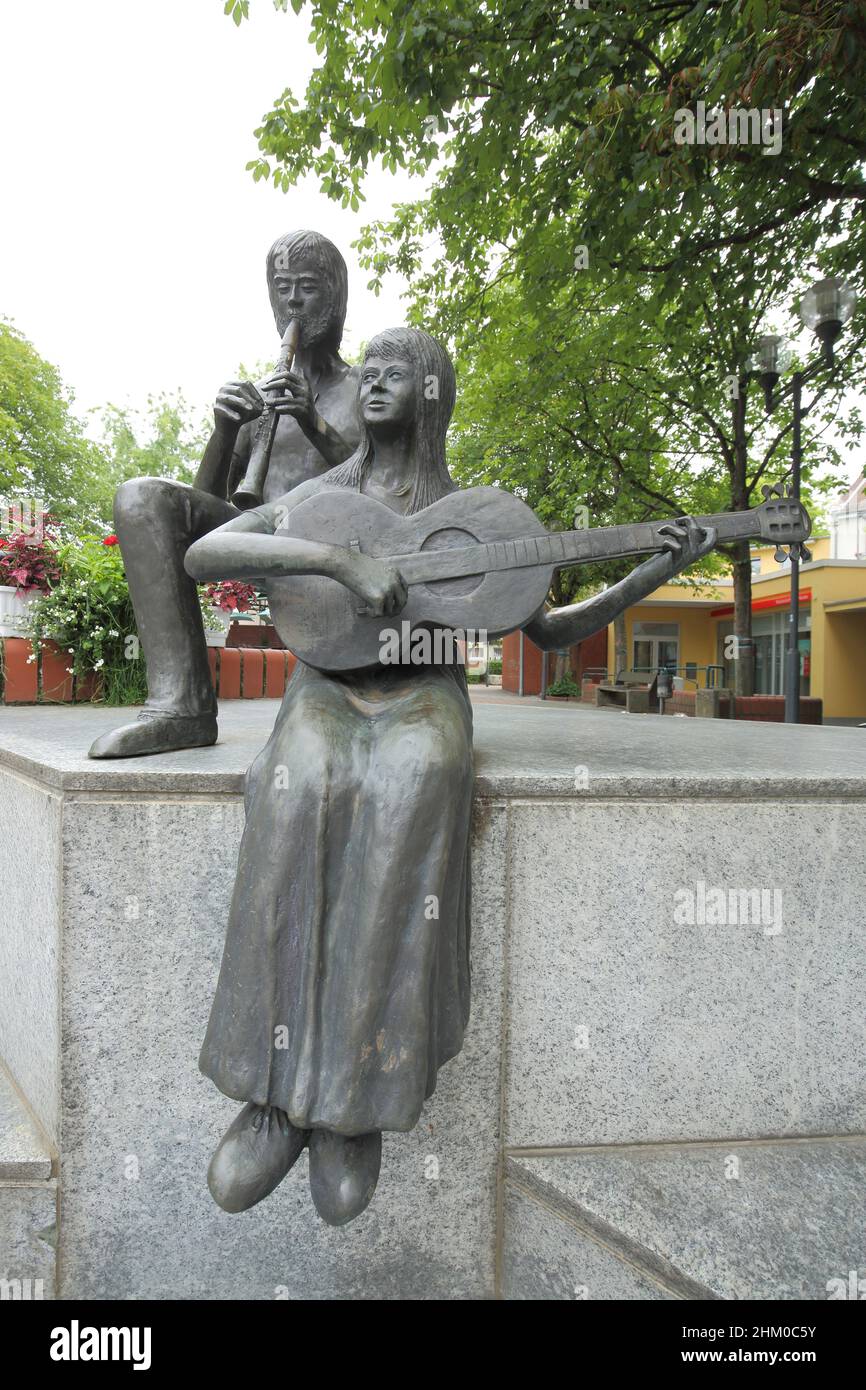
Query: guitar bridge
(361, 607)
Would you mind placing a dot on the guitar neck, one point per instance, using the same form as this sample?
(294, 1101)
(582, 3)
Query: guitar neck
(562, 548)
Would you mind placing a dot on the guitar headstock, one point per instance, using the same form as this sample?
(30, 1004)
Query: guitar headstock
(785, 521)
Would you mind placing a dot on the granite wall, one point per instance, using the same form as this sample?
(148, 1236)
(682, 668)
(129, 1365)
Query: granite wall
(661, 1094)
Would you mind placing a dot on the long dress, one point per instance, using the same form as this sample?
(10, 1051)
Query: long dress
(345, 976)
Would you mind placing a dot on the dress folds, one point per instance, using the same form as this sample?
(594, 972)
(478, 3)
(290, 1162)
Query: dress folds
(344, 983)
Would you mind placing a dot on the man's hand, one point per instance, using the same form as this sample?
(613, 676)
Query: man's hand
(290, 394)
(237, 403)
(687, 542)
(381, 587)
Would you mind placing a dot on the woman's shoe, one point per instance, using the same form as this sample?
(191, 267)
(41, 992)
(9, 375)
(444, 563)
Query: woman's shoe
(253, 1156)
(344, 1170)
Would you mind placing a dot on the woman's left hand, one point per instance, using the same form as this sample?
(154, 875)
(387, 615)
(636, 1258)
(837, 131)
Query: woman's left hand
(687, 542)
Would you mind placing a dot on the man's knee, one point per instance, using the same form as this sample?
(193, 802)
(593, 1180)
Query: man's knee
(143, 497)
(163, 501)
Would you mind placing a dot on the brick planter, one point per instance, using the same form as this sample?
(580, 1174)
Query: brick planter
(249, 673)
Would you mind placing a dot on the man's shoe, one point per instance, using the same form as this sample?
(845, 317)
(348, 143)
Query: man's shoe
(254, 1155)
(344, 1171)
(153, 732)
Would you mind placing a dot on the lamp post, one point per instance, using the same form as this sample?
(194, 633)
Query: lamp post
(825, 308)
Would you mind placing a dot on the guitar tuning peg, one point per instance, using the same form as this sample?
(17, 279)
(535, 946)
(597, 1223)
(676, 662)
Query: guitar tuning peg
(778, 490)
(805, 553)
(780, 556)
(789, 490)
(766, 492)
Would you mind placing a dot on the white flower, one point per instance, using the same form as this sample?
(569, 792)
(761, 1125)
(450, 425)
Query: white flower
(112, 632)
(69, 670)
(97, 664)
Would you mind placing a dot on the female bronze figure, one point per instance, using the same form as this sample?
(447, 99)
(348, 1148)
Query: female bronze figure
(345, 977)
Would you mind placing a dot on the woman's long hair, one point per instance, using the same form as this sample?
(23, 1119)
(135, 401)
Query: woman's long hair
(436, 392)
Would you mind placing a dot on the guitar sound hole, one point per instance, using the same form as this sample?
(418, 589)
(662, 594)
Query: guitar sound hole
(449, 538)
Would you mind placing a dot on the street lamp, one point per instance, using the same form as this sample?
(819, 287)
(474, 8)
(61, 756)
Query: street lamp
(770, 359)
(825, 308)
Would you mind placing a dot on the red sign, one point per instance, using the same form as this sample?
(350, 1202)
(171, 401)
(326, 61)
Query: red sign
(777, 601)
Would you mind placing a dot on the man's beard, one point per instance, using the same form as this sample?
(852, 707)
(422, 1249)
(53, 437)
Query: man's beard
(316, 328)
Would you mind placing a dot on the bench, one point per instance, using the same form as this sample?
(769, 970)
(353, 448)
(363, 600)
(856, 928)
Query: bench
(631, 692)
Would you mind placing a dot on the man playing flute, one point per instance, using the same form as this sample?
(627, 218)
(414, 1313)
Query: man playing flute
(158, 519)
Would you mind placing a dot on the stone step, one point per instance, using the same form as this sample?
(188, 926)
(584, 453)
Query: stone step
(753, 1219)
(24, 1154)
(28, 1203)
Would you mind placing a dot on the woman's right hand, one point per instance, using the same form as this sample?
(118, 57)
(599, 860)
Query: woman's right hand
(380, 585)
(237, 403)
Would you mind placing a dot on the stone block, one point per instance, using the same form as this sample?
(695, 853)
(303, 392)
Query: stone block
(24, 1154)
(28, 1228)
(711, 703)
(142, 941)
(737, 1219)
(30, 832)
(627, 1030)
(548, 1256)
(627, 1024)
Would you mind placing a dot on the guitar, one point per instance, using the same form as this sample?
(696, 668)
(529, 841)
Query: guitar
(478, 558)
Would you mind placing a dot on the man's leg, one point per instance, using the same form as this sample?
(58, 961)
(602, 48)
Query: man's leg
(156, 521)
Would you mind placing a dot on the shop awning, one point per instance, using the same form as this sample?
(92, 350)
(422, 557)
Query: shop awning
(759, 604)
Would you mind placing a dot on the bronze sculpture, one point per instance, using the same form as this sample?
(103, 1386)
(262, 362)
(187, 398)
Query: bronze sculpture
(345, 977)
(157, 519)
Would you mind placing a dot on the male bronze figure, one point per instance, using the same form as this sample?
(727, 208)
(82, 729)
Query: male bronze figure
(157, 519)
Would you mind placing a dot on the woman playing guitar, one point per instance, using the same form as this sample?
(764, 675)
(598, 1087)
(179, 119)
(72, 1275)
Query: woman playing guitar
(345, 978)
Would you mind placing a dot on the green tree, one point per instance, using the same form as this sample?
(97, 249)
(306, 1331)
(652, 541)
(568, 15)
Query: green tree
(165, 441)
(44, 452)
(550, 135)
(528, 103)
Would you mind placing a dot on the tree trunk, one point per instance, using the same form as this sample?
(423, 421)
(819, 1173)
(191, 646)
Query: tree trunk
(620, 645)
(744, 652)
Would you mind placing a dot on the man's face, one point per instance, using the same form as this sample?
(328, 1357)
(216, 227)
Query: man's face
(299, 291)
(387, 393)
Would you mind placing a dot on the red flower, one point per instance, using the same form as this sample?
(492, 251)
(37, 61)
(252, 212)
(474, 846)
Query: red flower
(110, 540)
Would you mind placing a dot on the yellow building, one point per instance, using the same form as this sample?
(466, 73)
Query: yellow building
(685, 625)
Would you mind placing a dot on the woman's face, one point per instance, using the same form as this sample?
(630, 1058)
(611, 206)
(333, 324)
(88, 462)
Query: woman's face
(387, 395)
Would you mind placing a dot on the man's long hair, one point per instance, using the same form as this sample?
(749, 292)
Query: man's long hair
(435, 390)
(323, 254)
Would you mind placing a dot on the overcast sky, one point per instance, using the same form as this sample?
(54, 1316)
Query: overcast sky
(132, 238)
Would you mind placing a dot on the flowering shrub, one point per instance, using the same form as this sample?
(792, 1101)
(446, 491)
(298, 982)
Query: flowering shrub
(231, 596)
(86, 609)
(28, 560)
(88, 612)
